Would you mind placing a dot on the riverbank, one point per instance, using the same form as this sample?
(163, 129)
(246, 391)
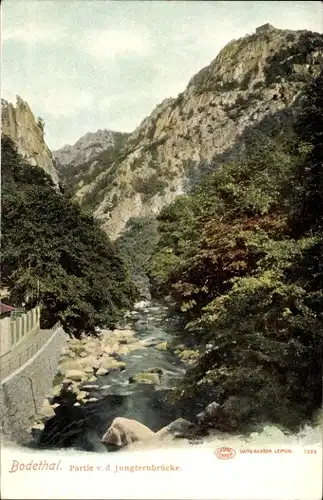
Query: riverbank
(126, 373)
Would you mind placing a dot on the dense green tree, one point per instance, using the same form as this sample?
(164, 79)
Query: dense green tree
(135, 245)
(241, 258)
(50, 244)
(309, 130)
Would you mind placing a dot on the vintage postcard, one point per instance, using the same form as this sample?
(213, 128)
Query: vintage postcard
(161, 299)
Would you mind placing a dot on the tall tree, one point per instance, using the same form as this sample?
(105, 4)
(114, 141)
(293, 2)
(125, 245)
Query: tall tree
(50, 244)
(309, 132)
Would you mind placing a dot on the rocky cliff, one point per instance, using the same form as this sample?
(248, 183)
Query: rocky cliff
(19, 123)
(79, 165)
(85, 149)
(252, 85)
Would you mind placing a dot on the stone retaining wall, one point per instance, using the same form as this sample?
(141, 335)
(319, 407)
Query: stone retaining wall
(22, 393)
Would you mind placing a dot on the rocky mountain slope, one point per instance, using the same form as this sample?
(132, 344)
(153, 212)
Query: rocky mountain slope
(85, 149)
(87, 159)
(19, 123)
(252, 85)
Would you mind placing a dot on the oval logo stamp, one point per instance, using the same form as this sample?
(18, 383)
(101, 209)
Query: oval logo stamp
(225, 453)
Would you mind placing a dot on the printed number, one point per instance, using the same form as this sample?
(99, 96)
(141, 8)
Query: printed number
(309, 451)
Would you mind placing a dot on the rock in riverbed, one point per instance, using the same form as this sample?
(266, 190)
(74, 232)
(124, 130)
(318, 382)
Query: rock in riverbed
(102, 371)
(162, 346)
(110, 363)
(145, 378)
(189, 355)
(180, 428)
(76, 375)
(124, 431)
(46, 411)
(81, 396)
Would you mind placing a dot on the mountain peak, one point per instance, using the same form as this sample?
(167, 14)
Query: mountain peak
(86, 148)
(251, 87)
(19, 123)
(265, 28)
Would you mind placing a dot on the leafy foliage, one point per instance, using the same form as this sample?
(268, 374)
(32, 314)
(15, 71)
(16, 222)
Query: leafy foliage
(135, 245)
(241, 257)
(49, 242)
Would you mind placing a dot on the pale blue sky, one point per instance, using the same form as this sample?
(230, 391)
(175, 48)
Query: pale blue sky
(84, 65)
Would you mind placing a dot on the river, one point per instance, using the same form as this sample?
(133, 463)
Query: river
(72, 439)
(81, 427)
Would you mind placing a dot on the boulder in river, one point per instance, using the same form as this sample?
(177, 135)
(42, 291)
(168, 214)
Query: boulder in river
(110, 349)
(46, 410)
(76, 375)
(123, 350)
(180, 428)
(89, 361)
(69, 354)
(160, 371)
(145, 378)
(124, 335)
(110, 363)
(78, 349)
(224, 417)
(124, 431)
(188, 355)
(151, 341)
(101, 372)
(135, 346)
(71, 364)
(56, 390)
(81, 396)
(209, 413)
(163, 346)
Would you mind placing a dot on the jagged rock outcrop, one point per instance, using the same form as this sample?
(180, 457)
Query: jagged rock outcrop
(19, 123)
(80, 164)
(253, 84)
(85, 149)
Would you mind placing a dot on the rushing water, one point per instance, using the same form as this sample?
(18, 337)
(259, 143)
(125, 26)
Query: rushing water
(82, 427)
